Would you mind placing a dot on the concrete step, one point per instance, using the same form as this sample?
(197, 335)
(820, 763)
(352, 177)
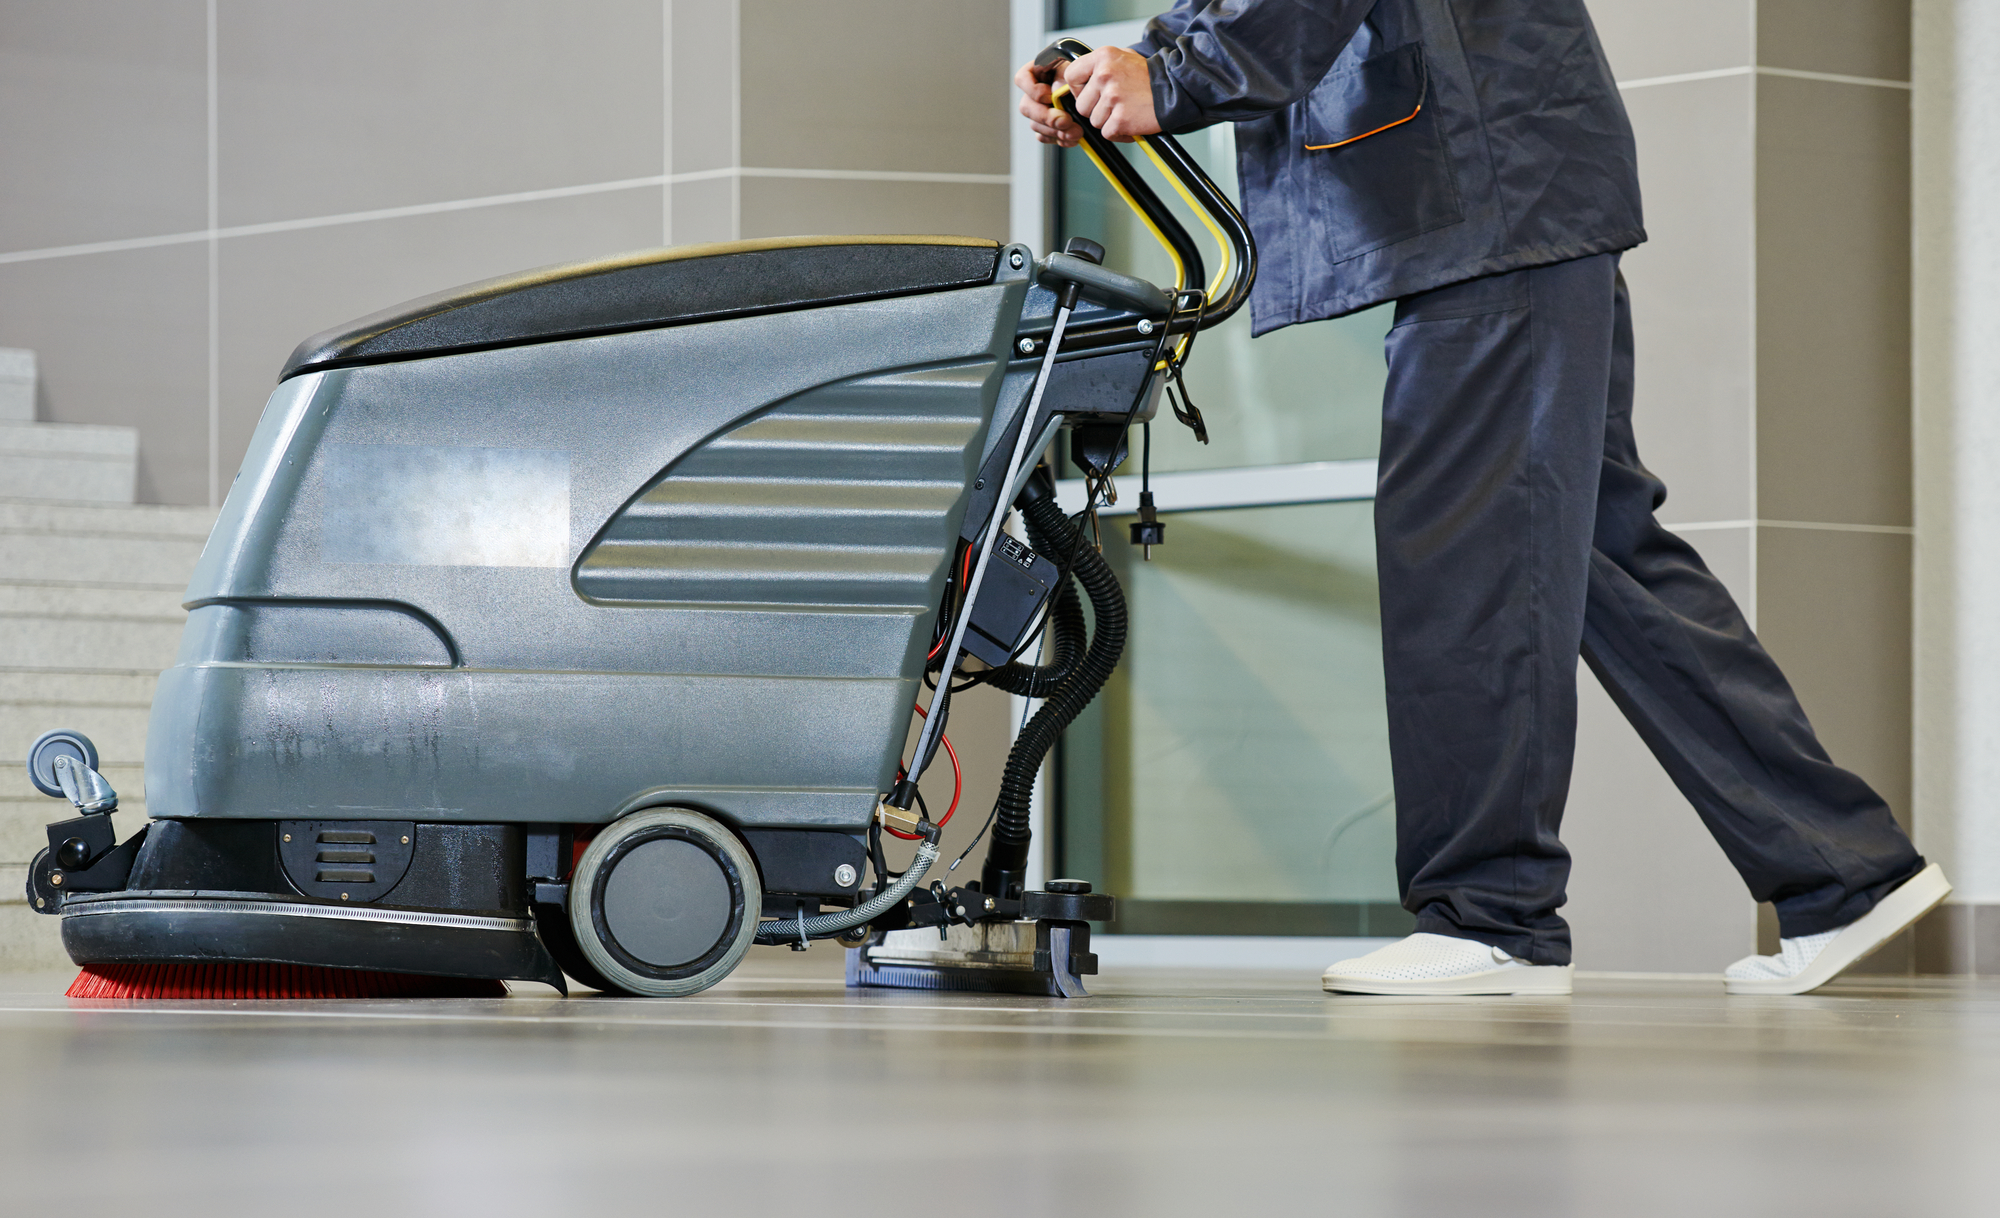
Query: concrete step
(17, 385)
(115, 644)
(29, 942)
(119, 732)
(73, 687)
(94, 519)
(84, 601)
(69, 462)
(76, 546)
(103, 560)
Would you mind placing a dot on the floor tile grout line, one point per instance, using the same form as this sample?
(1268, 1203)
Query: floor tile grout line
(751, 1024)
(1328, 1035)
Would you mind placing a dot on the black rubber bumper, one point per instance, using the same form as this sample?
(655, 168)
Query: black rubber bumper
(222, 926)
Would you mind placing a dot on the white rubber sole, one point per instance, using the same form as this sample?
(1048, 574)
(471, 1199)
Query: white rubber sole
(1542, 979)
(1914, 898)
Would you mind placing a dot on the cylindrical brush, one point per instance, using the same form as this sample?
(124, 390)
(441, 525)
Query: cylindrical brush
(247, 979)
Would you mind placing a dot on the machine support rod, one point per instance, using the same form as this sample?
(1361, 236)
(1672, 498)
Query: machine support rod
(906, 791)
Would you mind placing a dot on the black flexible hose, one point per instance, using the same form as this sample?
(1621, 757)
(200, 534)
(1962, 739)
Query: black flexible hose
(1007, 854)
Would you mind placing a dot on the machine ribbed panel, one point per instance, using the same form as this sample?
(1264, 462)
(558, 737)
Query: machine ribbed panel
(841, 496)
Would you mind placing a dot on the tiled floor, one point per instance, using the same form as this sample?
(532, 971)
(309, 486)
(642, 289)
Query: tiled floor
(780, 1093)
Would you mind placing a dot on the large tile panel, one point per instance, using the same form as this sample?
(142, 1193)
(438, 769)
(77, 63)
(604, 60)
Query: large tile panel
(280, 288)
(382, 104)
(1645, 38)
(1833, 302)
(703, 211)
(876, 84)
(103, 121)
(122, 338)
(704, 80)
(1632, 840)
(1691, 294)
(776, 207)
(1846, 37)
(1632, 837)
(1834, 610)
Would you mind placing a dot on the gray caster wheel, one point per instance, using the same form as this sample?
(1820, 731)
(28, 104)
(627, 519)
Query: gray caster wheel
(43, 752)
(665, 902)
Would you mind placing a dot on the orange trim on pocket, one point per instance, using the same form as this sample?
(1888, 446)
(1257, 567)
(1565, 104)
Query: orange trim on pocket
(1365, 134)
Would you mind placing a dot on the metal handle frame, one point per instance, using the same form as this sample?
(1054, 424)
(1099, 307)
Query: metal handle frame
(1225, 222)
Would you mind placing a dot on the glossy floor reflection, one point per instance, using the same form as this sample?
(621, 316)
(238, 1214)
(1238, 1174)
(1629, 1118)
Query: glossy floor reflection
(1168, 1093)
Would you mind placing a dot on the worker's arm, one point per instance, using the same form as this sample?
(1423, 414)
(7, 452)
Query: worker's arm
(1241, 59)
(1163, 29)
(1204, 63)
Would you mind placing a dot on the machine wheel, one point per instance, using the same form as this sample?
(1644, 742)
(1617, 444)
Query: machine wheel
(665, 902)
(43, 752)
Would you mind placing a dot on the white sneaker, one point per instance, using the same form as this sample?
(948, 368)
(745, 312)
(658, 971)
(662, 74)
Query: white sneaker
(1440, 964)
(1810, 961)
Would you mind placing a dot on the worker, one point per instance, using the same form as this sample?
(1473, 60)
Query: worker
(1471, 160)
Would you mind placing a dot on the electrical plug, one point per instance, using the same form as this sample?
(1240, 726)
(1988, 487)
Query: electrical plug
(1149, 530)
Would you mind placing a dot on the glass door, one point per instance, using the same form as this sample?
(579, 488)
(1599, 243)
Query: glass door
(1234, 776)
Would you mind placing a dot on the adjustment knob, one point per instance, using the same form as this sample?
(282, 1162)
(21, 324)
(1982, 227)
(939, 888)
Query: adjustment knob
(1086, 249)
(1068, 887)
(73, 854)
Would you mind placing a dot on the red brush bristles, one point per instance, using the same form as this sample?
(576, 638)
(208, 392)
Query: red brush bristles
(244, 979)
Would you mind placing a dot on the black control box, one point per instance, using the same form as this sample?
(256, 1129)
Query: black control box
(1018, 582)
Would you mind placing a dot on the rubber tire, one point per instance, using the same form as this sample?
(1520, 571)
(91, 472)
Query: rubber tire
(41, 756)
(585, 897)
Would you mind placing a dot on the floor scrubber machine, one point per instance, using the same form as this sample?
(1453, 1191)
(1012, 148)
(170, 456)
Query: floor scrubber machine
(572, 622)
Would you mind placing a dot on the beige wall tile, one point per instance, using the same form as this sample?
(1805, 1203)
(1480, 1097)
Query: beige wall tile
(1691, 294)
(704, 70)
(103, 121)
(1635, 841)
(1833, 302)
(876, 84)
(1834, 610)
(1645, 38)
(1847, 37)
(776, 207)
(389, 104)
(122, 338)
(281, 288)
(704, 211)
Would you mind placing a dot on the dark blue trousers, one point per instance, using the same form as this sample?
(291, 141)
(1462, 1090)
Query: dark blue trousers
(1514, 531)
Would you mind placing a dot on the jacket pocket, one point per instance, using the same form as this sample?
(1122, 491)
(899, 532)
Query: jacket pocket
(1375, 155)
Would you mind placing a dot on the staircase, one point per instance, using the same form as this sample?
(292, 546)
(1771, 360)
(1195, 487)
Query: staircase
(90, 591)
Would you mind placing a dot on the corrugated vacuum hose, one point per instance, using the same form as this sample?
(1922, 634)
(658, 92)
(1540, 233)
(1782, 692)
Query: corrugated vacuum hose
(1052, 534)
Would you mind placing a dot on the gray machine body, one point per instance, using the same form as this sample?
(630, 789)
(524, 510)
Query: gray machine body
(557, 582)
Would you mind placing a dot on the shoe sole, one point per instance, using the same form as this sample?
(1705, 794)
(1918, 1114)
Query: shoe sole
(1893, 914)
(1535, 979)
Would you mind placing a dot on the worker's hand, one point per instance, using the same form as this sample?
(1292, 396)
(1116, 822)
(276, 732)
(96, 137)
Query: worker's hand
(1051, 125)
(1113, 90)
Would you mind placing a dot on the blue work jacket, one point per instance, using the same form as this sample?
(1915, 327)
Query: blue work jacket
(1386, 147)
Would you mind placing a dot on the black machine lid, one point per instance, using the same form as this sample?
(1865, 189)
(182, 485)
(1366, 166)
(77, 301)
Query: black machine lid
(660, 287)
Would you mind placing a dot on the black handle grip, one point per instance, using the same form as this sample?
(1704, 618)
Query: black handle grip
(1206, 193)
(1106, 285)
